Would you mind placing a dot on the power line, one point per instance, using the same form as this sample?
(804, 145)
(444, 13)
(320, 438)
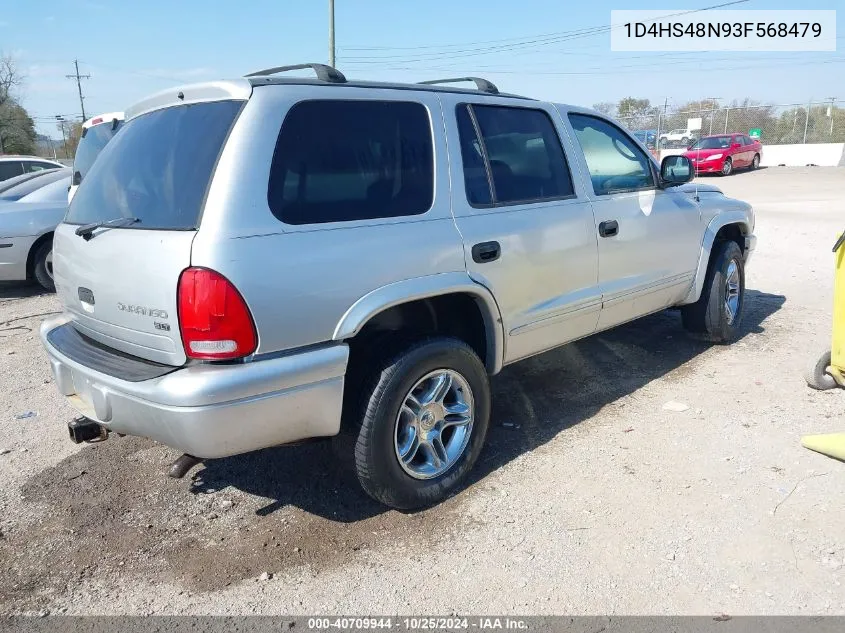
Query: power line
(77, 76)
(528, 37)
(599, 72)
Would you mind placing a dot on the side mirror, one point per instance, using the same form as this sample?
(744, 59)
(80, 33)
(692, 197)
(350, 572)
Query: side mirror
(675, 170)
(736, 146)
(77, 178)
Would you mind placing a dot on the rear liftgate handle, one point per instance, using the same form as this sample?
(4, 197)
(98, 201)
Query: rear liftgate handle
(486, 252)
(609, 228)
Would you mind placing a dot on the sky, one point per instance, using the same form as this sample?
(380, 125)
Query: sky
(131, 48)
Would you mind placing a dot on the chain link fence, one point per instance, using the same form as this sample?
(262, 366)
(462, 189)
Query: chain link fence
(665, 127)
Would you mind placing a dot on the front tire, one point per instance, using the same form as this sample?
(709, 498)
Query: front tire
(421, 423)
(718, 312)
(43, 266)
(727, 167)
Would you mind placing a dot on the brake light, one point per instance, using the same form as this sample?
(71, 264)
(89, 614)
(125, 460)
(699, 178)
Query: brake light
(214, 320)
(99, 119)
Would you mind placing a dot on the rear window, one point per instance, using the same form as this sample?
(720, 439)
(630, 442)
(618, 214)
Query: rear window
(34, 183)
(91, 145)
(157, 169)
(338, 161)
(53, 192)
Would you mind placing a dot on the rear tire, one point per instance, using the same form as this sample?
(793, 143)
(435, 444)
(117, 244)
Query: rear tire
(755, 164)
(718, 312)
(815, 373)
(43, 266)
(377, 427)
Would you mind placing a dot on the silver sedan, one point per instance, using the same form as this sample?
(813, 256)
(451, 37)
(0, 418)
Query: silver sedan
(26, 227)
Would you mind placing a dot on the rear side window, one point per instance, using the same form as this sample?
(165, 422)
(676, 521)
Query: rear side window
(91, 144)
(524, 158)
(30, 166)
(340, 161)
(157, 169)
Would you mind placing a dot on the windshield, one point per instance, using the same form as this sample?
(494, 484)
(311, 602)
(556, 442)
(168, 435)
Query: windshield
(713, 142)
(157, 169)
(54, 192)
(27, 186)
(91, 145)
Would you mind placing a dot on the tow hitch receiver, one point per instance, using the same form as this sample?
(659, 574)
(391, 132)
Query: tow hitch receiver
(83, 429)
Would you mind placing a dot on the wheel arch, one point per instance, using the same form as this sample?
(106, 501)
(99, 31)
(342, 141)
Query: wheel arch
(728, 225)
(30, 256)
(424, 289)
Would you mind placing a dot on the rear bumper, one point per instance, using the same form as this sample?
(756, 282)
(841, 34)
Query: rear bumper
(709, 166)
(210, 410)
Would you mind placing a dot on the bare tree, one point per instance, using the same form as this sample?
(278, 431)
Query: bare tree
(605, 107)
(10, 78)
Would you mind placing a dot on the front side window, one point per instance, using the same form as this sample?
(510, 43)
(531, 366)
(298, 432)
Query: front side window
(523, 154)
(10, 169)
(615, 162)
(341, 161)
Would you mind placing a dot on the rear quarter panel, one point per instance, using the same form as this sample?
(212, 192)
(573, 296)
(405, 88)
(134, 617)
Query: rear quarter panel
(299, 281)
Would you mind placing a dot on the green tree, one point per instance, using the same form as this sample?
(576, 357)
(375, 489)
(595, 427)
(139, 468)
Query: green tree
(637, 114)
(17, 129)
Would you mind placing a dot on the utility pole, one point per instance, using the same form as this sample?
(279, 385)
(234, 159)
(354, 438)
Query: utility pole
(62, 122)
(807, 120)
(714, 105)
(831, 111)
(657, 139)
(77, 76)
(331, 33)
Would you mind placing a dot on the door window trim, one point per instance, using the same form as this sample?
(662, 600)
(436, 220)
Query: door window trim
(649, 160)
(494, 204)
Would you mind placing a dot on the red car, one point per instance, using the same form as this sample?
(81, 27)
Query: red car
(722, 153)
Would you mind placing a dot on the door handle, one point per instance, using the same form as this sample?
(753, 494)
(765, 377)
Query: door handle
(486, 252)
(609, 228)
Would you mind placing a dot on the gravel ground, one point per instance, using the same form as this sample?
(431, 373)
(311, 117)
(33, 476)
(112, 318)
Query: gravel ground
(590, 498)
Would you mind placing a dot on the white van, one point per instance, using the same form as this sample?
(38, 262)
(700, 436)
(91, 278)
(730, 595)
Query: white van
(96, 133)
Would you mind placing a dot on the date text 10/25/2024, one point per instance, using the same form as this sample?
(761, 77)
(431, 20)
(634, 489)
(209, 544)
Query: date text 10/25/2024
(418, 623)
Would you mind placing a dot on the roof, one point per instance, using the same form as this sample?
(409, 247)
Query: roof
(24, 156)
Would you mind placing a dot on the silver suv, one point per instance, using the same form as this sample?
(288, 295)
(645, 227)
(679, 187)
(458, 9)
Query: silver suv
(259, 261)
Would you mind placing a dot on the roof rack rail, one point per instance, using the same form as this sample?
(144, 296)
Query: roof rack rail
(482, 84)
(323, 72)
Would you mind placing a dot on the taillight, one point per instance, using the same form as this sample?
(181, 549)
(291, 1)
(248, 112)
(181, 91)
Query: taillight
(213, 317)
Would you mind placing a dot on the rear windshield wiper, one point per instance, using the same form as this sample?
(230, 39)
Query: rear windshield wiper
(86, 231)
